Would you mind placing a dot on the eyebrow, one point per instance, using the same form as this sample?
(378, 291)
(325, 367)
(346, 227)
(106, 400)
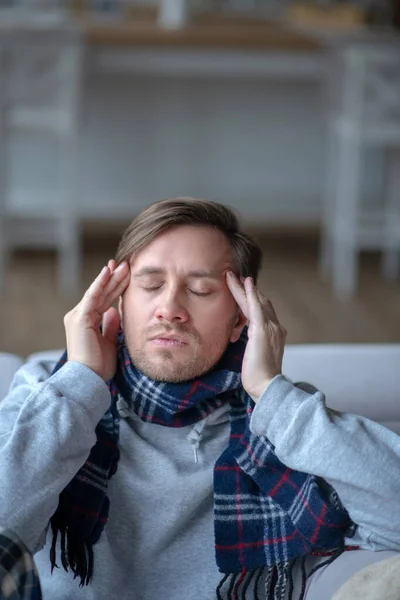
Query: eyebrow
(195, 274)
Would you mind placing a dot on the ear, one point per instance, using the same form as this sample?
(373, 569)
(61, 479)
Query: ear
(121, 312)
(238, 326)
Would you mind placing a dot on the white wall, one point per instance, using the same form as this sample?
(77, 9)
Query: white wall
(257, 145)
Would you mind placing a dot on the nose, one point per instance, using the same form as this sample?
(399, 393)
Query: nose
(170, 307)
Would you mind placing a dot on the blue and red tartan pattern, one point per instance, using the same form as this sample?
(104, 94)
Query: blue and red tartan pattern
(18, 576)
(265, 513)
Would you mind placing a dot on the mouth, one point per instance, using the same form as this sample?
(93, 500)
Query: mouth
(168, 340)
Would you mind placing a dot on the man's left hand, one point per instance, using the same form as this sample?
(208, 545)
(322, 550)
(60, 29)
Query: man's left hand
(262, 360)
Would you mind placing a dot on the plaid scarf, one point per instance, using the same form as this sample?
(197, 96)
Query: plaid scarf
(266, 515)
(18, 575)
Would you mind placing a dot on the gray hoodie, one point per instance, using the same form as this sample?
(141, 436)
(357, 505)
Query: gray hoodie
(159, 541)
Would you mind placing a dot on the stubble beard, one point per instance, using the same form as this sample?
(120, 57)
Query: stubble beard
(167, 369)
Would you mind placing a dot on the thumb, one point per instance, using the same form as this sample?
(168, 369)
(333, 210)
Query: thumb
(111, 324)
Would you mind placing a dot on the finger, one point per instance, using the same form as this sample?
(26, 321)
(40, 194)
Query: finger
(256, 313)
(272, 312)
(111, 325)
(238, 292)
(105, 289)
(274, 318)
(117, 291)
(268, 308)
(271, 315)
(121, 275)
(96, 288)
(112, 264)
(116, 276)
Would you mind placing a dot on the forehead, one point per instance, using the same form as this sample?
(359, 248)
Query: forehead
(187, 246)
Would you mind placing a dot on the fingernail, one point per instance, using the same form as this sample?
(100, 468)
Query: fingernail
(119, 268)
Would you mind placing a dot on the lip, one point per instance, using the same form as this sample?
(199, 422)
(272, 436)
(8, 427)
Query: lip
(169, 341)
(168, 337)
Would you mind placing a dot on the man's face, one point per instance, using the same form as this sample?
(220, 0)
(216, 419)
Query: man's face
(178, 313)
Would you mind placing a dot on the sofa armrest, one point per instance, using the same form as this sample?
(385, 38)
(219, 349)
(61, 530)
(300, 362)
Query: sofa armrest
(358, 378)
(9, 364)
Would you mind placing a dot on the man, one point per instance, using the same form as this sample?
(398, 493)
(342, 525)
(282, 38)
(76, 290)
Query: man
(198, 471)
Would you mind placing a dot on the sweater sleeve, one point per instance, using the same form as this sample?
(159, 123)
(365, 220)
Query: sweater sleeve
(47, 428)
(359, 458)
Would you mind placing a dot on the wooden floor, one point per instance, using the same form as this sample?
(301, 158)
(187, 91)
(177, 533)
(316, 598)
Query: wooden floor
(32, 312)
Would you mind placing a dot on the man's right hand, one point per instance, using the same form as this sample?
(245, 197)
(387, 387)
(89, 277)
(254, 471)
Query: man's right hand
(85, 342)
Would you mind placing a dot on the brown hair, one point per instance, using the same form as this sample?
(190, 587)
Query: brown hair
(165, 214)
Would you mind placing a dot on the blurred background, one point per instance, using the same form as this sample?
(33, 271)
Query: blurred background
(288, 111)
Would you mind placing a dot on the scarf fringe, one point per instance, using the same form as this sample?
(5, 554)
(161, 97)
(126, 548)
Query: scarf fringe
(278, 580)
(269, 582)
(275, 583)
(76, 554)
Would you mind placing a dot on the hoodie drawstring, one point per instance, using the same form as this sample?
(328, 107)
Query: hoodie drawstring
(195, 437)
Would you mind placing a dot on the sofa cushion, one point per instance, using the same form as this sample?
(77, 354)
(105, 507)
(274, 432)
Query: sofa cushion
(380, 581)
(358, 378)
(9, 364)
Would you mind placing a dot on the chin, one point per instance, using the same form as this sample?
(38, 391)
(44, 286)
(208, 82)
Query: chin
(167, 367)
(168, 373)
(176, 375)
(166, 378)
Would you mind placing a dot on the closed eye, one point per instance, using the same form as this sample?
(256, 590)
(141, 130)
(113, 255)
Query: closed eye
(152, 288)
(199, 293)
